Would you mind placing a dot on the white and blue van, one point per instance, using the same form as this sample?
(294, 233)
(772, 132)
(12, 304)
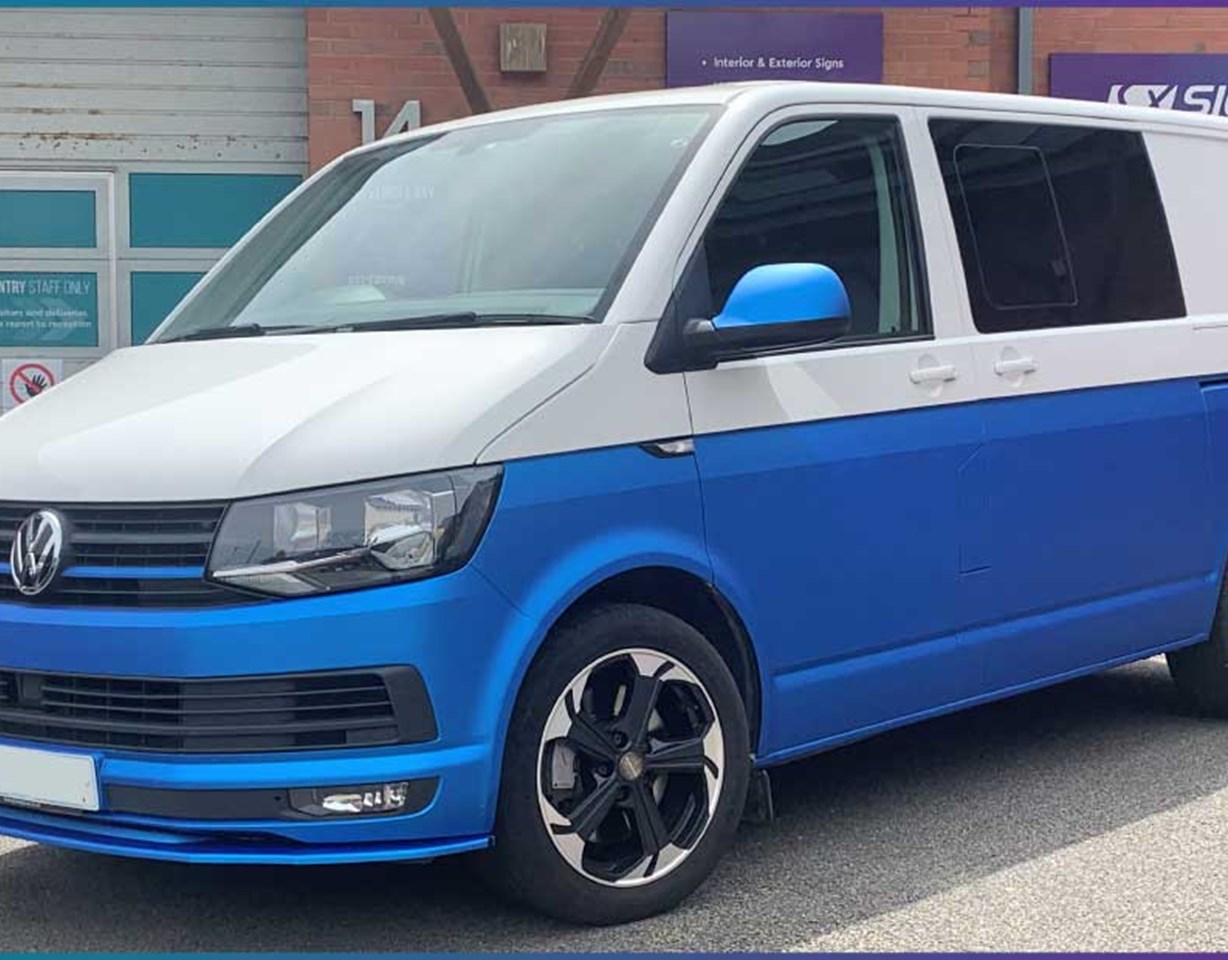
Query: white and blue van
(527, 485)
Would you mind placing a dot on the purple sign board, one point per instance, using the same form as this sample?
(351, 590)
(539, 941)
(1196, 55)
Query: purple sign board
(715, 47)
(1197, 82)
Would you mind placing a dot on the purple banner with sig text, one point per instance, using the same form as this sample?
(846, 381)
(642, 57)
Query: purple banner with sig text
(715, 47)
(1196, 82)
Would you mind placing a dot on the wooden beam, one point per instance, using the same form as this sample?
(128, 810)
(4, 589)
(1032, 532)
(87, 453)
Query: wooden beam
(458, 56)
(613, 22)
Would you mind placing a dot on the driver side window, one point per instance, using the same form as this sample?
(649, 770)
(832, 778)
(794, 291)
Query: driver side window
(829, 191)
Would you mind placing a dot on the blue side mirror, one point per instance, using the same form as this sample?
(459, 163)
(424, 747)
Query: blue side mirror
(774, 306)
(788, 293)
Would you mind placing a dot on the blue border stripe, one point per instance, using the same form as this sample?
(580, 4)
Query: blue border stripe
(136, 573)
(128, 573)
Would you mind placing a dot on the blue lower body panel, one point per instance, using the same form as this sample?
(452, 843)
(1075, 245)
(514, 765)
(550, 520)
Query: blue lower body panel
(854, 552)
(450, 629)
(562, 524)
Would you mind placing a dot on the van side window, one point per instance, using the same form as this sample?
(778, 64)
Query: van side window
(830, 191)
(1058, 225)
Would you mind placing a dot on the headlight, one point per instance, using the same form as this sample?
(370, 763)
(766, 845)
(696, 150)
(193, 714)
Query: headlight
(362, 535)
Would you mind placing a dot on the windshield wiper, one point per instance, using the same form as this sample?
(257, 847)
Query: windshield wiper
(228, 333)
(431, 321)
(438, 321)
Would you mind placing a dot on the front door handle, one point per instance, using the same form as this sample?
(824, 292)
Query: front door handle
(942, 373)
(1015, 365)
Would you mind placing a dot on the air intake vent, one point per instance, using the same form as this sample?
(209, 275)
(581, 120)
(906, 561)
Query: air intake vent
(231, 715)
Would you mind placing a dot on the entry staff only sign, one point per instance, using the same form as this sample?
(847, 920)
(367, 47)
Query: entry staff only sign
(48, 309)
(1197, 82)
(715, 47)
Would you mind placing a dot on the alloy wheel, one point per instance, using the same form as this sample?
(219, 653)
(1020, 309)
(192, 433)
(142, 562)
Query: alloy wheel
(631, 767)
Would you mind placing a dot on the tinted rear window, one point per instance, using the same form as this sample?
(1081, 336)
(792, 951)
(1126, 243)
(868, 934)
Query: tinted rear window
(1057, 225)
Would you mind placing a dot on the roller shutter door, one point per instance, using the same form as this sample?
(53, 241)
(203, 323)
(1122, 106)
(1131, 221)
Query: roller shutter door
(135, 147)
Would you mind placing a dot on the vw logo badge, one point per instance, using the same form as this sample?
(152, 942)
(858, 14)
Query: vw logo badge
(38, 548)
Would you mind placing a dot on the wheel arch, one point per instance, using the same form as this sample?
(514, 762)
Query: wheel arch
(696, 602)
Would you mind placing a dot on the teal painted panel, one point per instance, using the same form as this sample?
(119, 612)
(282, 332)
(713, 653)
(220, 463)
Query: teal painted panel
(48, 309)
(48, 218)
(199, 209)
(154, 296)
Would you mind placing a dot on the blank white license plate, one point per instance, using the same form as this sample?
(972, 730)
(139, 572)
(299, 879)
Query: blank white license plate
(46, 778)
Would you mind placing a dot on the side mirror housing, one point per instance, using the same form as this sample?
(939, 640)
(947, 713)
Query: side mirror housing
(776, 306)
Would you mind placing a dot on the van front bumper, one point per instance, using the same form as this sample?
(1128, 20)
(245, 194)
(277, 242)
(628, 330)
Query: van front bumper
(458, 633)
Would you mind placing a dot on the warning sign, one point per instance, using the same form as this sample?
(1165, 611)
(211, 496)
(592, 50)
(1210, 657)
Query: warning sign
(25, 379)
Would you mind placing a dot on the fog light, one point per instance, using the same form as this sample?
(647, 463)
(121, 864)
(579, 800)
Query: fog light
(351, 801)
(391, 796)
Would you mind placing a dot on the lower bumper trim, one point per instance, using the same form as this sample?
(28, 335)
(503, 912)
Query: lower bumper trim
(128, 841)
(242, 804)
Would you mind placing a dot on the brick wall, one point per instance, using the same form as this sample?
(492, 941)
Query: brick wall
(952, 47)
(1125, 30)
(393, 55)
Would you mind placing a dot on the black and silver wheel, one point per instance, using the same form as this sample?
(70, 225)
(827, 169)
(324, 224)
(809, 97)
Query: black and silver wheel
(632, 764)
(625, 770)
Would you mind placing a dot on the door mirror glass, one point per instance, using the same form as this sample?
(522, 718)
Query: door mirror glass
(788, 293)
(775, 306)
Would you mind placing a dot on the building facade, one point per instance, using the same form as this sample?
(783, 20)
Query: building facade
(449, 62)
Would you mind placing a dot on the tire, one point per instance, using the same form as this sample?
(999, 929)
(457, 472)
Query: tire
(688, 755)
(1201, 671)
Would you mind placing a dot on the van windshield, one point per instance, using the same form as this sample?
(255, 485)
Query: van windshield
(530, 220)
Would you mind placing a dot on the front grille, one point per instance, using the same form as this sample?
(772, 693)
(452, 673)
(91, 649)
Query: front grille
(128, 538)
(231, 715)
(128, 535)
(127, 592)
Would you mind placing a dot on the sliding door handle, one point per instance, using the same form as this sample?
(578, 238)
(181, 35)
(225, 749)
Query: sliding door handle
(1014, 366)
(942, 373)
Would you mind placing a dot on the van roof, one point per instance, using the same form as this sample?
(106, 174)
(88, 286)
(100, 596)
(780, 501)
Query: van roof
(974, 100)
(772, 94)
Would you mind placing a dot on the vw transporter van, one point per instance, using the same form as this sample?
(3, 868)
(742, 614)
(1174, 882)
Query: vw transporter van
(526, 486)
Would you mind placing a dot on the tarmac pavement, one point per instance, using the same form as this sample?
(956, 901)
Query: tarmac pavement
(1091, 816)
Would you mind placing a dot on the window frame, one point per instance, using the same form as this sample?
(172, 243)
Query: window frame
(927, 115)
(976, 240)
(666, 353)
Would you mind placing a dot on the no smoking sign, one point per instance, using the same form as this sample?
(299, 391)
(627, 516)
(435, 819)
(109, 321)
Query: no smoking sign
(25, 379)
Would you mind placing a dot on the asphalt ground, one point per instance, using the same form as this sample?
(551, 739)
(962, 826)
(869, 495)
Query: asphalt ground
(1091, 816)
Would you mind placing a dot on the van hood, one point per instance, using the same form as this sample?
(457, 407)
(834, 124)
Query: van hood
(224, 419)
